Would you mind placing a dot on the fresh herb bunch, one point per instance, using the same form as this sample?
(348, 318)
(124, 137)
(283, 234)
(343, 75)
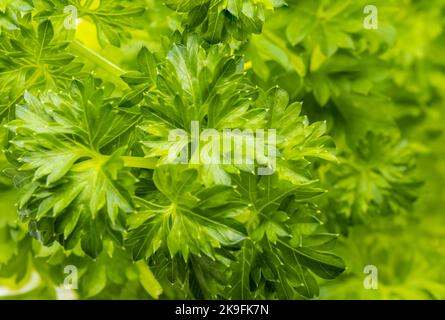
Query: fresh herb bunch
(90, 92)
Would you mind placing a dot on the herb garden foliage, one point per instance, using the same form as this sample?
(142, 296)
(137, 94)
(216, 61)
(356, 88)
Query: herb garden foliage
(87, 115)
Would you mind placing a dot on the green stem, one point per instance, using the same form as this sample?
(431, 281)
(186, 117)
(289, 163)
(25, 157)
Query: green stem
(81, 50)
(139, 162)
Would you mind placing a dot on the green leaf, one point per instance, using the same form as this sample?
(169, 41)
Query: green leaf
(217, 21)
(94, 280)
(298, 29)
(240, 279)
(148, 281)
(91, 241)
(76, 174)
(187, 218)
(45, 33)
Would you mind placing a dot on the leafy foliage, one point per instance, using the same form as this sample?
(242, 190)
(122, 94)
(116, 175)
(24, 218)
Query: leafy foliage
(112, 19)
(219, 20)
(376, 179)
(88, 118)
(66, 178)
(32, 57)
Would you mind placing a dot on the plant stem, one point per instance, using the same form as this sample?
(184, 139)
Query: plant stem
(139, 162)
(81, 50)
